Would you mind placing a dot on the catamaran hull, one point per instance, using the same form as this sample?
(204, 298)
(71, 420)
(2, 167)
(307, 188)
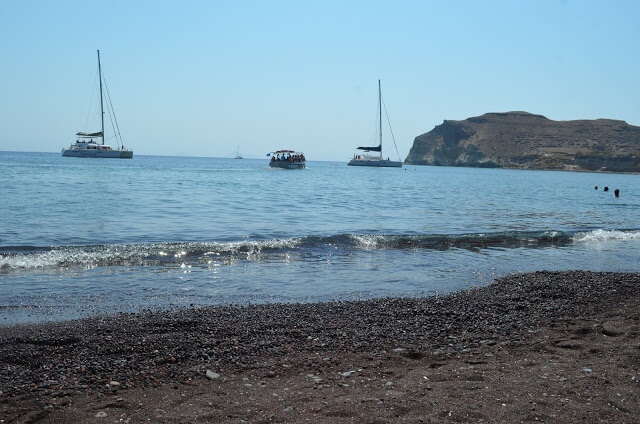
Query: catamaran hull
(383, 163)
(113, 154)
(287, 165)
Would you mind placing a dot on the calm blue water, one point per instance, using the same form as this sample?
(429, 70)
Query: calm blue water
(90, 236)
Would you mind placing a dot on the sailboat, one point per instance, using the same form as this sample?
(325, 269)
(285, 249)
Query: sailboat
(91, 145)
(371, 159)
(237, 155)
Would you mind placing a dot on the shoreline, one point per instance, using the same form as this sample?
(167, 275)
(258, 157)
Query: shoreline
(559, 346)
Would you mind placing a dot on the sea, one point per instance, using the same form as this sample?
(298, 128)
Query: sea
(86, 237)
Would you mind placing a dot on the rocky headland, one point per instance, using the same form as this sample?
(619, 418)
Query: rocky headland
(522, 140)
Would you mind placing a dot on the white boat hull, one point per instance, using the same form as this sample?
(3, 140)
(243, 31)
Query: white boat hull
(380, 163)
(115, 154)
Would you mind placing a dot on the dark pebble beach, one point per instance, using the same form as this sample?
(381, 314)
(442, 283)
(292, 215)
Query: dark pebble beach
(544, 346)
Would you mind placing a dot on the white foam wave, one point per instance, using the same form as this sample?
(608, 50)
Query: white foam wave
(599, 236)
(367, 241)
(70, 256)
(94, 256)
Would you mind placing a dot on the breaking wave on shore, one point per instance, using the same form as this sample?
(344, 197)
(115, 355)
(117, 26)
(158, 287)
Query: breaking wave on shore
(16, 258)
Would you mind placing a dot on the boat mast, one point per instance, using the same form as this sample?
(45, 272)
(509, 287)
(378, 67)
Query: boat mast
(101, 103)
(380, 106)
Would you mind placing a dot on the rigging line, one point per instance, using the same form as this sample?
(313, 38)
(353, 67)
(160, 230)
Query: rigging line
(93, 93)
(390, 129)
(116, 128)
(110, 111)
(112, 125)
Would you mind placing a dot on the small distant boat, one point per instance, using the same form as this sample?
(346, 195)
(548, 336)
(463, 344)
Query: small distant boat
(287, 159)
(368, 159)
(85, 145)
(237, 155)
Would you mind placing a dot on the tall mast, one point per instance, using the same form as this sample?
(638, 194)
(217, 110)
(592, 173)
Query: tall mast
(380, 106)
(101, 105)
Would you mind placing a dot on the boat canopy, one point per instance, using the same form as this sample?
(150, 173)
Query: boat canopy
(371, 149)
(285, 152)
(87, 135)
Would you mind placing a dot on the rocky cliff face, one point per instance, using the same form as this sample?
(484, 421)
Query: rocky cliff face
(526, 141)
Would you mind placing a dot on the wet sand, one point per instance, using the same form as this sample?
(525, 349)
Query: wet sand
(546, 346)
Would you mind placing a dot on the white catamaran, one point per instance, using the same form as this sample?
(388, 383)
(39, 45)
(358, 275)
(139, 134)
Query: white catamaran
(85, 145)
(368, 159)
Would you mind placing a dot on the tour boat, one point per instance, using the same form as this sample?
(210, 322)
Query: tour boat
(287, 159)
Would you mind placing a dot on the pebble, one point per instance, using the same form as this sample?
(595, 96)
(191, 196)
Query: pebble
(587, 370)
(212, 375)
(315, 378)
(612, 329)
(101, 414)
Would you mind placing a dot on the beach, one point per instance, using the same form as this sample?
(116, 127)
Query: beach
(301, 212)
(537, 347)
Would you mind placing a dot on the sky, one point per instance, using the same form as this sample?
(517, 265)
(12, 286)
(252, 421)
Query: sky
(204, 78)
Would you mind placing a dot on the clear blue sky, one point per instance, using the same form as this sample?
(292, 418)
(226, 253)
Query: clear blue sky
(199, 78)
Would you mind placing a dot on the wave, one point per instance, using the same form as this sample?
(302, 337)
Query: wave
(606, 235)
(151, 254)
(206, 253)
(512, 239)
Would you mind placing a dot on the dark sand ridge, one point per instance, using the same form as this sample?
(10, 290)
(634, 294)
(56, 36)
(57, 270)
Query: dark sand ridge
(554, 347)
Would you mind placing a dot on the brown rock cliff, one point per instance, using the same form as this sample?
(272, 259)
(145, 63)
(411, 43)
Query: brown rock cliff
(526, 141)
